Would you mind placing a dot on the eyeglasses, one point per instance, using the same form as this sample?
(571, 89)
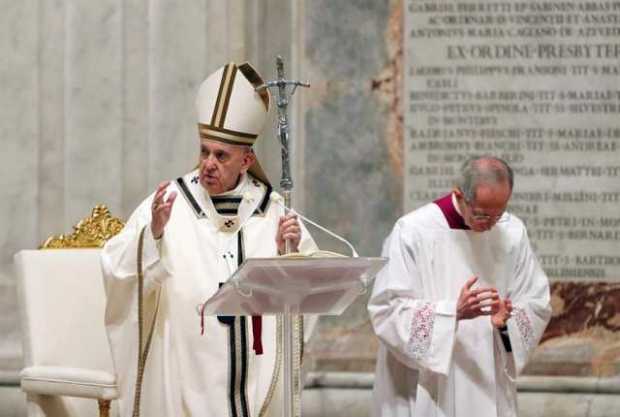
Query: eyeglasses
(486, 218)
(483, 217)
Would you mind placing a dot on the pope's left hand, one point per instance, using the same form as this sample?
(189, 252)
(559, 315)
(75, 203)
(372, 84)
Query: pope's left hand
(288, 229)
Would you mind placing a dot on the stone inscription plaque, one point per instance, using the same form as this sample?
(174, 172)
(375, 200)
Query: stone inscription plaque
(538, 84)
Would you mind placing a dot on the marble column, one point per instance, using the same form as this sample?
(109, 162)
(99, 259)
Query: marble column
(353, 144)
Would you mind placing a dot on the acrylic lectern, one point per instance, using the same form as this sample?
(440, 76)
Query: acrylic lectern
(289, 286)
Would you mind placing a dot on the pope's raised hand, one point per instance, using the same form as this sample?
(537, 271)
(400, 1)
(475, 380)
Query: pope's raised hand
(288, 229)
(161, 209)
(475, 302)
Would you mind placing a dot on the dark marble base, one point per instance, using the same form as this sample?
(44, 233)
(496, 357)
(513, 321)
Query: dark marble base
(583, 336)
(580, 307)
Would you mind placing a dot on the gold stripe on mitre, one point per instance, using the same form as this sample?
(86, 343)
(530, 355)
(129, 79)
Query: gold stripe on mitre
(223, 95)
(226, 135)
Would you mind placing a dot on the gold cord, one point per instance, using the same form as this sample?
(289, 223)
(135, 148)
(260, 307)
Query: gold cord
(278, 366)
(142, 355)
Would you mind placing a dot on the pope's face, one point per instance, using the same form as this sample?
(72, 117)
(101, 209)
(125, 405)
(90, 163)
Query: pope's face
(221, 165)
(485, 210)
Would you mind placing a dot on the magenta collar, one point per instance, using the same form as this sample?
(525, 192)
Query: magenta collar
(454, 219)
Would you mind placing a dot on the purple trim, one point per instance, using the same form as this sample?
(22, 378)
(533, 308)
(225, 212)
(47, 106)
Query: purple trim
(454, 219)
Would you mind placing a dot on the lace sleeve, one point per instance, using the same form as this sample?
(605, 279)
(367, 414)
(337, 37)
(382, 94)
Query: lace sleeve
(421, 330)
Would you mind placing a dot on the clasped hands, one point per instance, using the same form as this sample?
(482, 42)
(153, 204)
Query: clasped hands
(288, 226)
(475, 302)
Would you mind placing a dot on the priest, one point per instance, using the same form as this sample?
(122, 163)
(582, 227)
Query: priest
(187, 238)
(461, 304)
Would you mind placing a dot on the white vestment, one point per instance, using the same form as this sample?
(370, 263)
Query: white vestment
(217, 374)
(429, 364)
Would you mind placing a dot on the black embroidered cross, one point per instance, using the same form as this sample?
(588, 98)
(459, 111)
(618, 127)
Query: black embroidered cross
(195, 179)
(229, 223)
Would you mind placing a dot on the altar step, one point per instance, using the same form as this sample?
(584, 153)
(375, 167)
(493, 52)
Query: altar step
(350, 395)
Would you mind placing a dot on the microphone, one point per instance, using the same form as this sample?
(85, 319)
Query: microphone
(279, 201)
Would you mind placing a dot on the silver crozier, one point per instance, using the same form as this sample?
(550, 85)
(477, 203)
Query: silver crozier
(292, 335)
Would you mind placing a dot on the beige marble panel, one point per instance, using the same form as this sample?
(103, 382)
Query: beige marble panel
(177, 49)
(93, 111)
(135, 104)
(19, 131)
(51, 102)
(216, 32)
(236, 30)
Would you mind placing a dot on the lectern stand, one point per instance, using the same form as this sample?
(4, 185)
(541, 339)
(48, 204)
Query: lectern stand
(288, 286)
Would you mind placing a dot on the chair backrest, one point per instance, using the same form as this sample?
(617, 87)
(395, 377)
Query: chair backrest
(62, 305)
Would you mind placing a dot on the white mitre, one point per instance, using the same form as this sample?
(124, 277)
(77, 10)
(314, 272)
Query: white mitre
(231, 111)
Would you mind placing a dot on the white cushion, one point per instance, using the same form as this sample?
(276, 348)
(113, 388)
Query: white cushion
(63, 307)
(76, 382)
